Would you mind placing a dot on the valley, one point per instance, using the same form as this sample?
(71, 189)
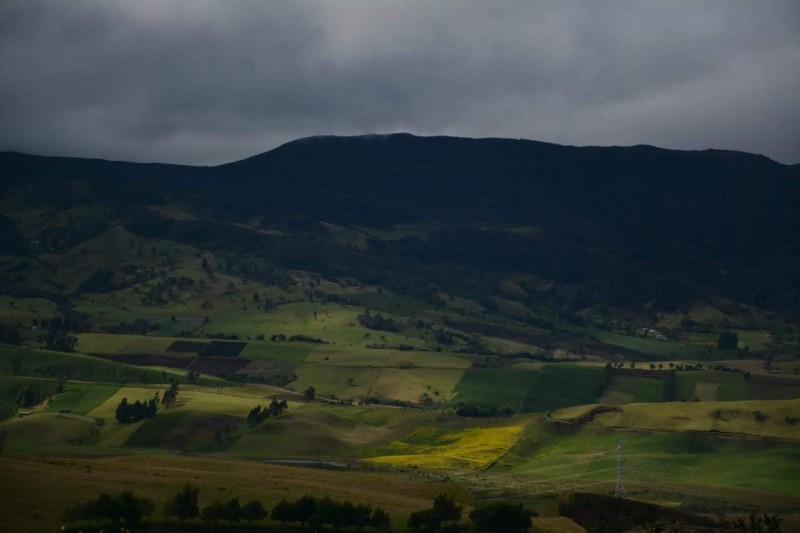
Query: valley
(503, 351)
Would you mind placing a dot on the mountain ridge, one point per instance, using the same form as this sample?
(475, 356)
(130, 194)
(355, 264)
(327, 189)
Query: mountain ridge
(596, 216)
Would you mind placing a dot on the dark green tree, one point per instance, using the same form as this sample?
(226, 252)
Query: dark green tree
(446, 509)
(184, 504)
(380, 519)
(727, 340)
(304, 509)
(28, 397)
(233, 511)
(283, 512)
(253, 512)
(309, 394)
(124, 412)
(502, 517)
(214, 512)
(425, 520)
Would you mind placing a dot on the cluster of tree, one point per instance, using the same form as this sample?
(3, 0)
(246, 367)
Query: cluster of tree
(70, 320)
(139, 326)
(727, 340)
(502, 516)
(378, 400)
(124, 508)
(127, 413)
(306, 338)
(687, 324)
(166, 290)
(378, 322)
(171, 395)
(442, 336)
(184, 505)
(233, 512)
(314, 512)
(27, 396)
(309, 394)
(59, 341)
(221, 336)
(258, 414)
(444, 510)
(483, 410)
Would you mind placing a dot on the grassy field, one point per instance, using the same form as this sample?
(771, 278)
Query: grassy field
(650, 348)
(153, 432)
(10, 386)
(16, 310)
(629, 389)
(81, 398)
(560, 385)
(25, 361)
(26, 507)
(558, 457)
(756, 418)
(494, 386)
(553, 386)
(327, 432)
(282, 351)
(48, 429)
(341, 356)
(708, 385)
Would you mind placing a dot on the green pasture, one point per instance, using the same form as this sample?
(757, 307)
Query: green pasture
(650, 348)
(25, 361)
(233, 401)
(153, 432)
(333, 323)
(555, 385)
(494, 386)
(81, 398)
(49, 429)
(563, 457)
(359, 356)
(558, 385)
(280, 351)
(629, 389)
(709, 385)
(357, 381)
(767, 388)
(10, 387)
(410, 384)
(204, 431)
(343, 382)
(15, 310)
(325, 431)
(753, 418)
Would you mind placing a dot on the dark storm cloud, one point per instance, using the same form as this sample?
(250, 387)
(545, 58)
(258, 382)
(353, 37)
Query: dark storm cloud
(210, 82)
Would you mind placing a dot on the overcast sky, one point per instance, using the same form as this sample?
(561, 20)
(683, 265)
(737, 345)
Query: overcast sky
(202, 82)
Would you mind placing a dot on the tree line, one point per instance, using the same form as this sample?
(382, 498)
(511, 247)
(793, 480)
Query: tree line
(258, 414)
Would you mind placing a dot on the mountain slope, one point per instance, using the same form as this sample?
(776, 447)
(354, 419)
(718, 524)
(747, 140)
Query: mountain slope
(628, 225)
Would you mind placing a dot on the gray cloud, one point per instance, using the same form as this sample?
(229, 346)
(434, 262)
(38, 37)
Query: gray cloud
(204, 82)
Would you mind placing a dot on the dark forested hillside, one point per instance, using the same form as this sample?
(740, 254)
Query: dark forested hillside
(620, 226)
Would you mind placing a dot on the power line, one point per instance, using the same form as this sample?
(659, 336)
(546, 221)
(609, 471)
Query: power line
(619, 490)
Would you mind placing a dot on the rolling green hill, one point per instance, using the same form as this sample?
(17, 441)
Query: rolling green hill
(488, 318)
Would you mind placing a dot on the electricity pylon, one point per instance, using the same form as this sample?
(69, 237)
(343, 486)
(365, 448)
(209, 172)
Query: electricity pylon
(619, 490)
